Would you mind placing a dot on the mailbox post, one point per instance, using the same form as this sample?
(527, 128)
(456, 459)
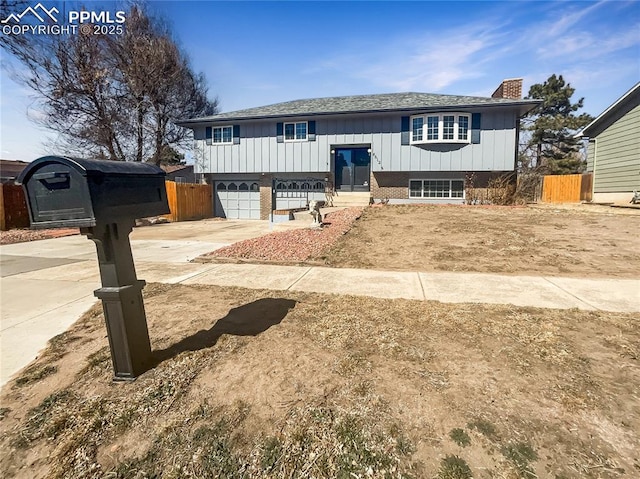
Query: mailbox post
(103, 198)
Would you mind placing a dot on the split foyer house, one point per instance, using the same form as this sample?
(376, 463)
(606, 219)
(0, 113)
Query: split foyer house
(613, 153)
(404, 147)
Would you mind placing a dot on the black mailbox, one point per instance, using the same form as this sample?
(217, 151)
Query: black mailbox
(75, 192)
(103, 198)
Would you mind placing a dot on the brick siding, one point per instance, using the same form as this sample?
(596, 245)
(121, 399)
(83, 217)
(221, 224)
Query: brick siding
(391, 185)
(509, 89)
(394, 185)
(265, 196)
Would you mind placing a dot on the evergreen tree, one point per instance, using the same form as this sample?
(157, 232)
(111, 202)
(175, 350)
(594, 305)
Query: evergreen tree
(552, 126)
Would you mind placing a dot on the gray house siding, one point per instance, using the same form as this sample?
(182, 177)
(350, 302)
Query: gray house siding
(259, 151)
(616, 153)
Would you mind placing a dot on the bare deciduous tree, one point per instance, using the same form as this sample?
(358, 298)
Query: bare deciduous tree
(113, 96)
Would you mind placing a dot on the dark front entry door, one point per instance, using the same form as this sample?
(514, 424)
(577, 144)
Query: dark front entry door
(352, 167)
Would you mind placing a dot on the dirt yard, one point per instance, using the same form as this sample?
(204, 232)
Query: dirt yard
(260, 384)
(581, 240)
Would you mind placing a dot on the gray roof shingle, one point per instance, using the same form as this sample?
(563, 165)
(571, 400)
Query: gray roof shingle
(363, 104)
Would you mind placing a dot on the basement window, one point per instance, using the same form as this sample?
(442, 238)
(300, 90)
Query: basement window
(435, 189)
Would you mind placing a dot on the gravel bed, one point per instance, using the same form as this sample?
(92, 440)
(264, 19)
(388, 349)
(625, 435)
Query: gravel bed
(24, 235)
(294, 245)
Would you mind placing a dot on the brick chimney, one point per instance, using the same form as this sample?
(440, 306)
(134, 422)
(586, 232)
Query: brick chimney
(511, 88)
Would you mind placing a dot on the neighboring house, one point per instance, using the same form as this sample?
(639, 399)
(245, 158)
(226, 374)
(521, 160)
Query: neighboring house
(405, 147)
(10, 169)
(613, 153)
(180, 173)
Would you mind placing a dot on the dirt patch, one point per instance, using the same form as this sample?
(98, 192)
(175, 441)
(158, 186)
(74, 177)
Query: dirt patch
(24, 235)
(281, 384)
(582, 240)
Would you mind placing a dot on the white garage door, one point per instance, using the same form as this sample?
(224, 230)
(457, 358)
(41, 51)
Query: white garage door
(238, 200)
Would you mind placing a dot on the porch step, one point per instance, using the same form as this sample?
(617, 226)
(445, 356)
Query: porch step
(356, 198)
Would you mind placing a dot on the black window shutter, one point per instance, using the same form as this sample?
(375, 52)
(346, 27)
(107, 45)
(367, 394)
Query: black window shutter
(311, 134)
(475, 127)
(208, 135)
(236, 134)
(404, 131)
(279, 132)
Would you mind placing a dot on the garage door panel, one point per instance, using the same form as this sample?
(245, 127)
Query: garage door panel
(236, 200)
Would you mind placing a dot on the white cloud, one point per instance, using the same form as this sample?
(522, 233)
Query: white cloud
(585, 45)
(568, 19)
(426, 61)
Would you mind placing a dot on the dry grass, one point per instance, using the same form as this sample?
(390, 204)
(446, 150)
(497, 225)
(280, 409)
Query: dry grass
(580, 241)
(263, 384)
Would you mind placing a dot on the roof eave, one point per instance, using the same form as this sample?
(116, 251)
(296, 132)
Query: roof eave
(524, 107)
(585, 132)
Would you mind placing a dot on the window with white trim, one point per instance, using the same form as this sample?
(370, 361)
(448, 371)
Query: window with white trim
(436, 189)
(441, 128)
(222, 134)
(295, 131)
(416, 128)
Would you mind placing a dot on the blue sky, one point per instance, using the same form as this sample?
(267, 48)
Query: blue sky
(257, 53)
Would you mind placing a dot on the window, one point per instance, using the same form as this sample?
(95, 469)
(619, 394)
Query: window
(432, 128)
(441, 128)
(295, 131)
(222, 134)
(436, 189)
(463, 128)
(448, 124)
(416, 129)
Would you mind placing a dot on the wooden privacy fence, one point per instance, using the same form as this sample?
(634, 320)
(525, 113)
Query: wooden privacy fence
(13, 207)
(188, 201)
(567, 188)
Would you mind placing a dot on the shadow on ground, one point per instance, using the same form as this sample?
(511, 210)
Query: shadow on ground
(247, 320)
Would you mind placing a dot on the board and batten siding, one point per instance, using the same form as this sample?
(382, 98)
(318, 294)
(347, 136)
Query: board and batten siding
(259, 151)
(616, 153)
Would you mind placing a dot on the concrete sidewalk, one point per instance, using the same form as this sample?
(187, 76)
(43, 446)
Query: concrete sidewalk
(46, 285)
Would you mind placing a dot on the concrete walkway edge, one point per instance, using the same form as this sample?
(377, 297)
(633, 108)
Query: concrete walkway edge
(603, 294)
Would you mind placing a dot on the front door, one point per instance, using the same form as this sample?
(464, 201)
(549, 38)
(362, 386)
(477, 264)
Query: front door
(352, 168)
